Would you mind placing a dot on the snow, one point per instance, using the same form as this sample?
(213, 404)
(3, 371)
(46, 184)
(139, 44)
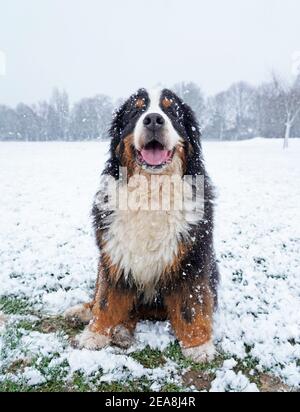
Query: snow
(157, 335)
(230, 381)
(115, 364)
(33, 377)
(48, 255)
(36, 343)
(258, 246)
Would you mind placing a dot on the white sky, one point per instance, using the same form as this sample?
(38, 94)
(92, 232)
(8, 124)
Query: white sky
(116, 46)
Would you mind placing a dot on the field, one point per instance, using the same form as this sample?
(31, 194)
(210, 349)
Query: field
(48, 261)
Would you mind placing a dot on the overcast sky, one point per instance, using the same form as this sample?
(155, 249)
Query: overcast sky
(115, 46)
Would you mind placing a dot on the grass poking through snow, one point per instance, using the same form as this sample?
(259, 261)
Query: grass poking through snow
(55, 376)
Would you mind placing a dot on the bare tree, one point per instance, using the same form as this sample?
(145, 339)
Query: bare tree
(269, 112)
(215, 116)
(192, 95)
(60, 110)
(232, 114)
(288, 95)
(9, 124)
(90, 118)
(240, 99)
(29, 127)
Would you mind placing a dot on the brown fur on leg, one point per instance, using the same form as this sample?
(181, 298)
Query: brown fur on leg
(190, 311)
(112, 307)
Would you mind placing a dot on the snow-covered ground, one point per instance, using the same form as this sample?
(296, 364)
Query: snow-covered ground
(48, 256)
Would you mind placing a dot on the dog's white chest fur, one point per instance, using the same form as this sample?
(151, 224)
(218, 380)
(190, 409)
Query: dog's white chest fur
(144, 242)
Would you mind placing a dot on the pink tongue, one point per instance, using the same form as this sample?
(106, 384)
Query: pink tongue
(154, 157)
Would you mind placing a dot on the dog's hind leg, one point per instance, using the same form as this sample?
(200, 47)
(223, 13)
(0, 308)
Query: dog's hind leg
(82, 314)
(79, 314)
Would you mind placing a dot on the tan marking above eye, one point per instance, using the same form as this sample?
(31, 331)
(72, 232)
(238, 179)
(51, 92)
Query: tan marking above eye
(167, 102)
(139, 103)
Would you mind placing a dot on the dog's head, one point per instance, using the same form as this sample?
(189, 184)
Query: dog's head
(152, 129)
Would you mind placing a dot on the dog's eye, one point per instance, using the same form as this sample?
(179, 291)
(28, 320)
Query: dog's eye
(139, 103)
(167, 102)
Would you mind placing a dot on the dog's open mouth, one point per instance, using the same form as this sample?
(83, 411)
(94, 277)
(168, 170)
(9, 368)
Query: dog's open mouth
(154, 154)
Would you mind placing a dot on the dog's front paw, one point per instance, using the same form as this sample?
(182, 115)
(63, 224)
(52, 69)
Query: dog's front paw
(201, 353)
(122, 337)
(90, 340)
(79, 314)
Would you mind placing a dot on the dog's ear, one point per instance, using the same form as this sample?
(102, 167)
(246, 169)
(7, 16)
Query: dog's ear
(115, 132)
(193, 147)
(117, 128)
(192, 128)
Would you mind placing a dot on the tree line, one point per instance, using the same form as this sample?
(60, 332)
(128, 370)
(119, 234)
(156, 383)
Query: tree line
(88, 119)
(271, 110)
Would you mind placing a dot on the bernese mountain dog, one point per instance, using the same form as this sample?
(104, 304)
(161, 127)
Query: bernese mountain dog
(155, 263)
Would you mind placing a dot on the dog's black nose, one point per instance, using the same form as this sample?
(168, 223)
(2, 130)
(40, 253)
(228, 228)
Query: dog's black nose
(153, 121)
